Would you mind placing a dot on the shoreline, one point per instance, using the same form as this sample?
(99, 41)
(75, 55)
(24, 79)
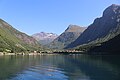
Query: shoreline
(59, 53)
(45, 53)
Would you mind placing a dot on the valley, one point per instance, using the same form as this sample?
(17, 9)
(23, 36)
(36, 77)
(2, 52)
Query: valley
(59, 39)
(101, 36)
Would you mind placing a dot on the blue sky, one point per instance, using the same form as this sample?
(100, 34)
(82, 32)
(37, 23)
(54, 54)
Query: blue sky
(33, 16)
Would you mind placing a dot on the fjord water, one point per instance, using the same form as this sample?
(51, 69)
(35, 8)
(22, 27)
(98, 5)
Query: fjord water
(60, 67)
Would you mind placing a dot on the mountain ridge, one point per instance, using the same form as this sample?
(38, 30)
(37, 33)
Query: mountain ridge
(101, 27)
(14, 40)
(44, 38)
(68, 36)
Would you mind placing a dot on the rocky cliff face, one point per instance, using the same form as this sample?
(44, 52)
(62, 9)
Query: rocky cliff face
(70, 34)
(106, 26)
(14, 40)
(44, 38)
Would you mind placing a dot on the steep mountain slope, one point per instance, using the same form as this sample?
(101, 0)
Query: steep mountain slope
(113, 45)
(44, 38)
(14, 40)
(68, 36)
(102, 29)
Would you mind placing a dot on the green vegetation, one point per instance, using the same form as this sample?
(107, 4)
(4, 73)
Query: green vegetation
(11, 40)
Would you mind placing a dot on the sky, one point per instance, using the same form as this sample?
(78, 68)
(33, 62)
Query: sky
(34, 16)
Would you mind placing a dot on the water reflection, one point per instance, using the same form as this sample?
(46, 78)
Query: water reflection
(96, 67)
(60, 67)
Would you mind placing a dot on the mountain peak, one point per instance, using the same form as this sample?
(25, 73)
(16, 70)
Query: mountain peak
(115, 5)
(112, 10)
(44, 38)
(75, 28)
(68, 36)
(72, 26)
(101, 27)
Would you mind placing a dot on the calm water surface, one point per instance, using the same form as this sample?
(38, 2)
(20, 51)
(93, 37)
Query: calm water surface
(60, 67)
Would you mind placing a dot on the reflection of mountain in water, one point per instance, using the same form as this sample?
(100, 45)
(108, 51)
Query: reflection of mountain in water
(95, 67)
(60, 67)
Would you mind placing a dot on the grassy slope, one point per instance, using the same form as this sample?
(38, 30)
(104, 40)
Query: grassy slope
(113, 45)
(8, 39)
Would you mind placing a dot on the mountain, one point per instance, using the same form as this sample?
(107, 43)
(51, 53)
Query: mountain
(44, 38)
(68, 36)
(113, 45)
(14, 40)
(102, 29)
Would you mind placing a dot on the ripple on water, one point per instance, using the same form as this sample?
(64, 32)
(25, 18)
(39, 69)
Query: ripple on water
(41, 73)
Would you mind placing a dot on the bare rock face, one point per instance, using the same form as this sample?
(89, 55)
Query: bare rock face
(44, 38)
(109, 23)
(68, 36)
